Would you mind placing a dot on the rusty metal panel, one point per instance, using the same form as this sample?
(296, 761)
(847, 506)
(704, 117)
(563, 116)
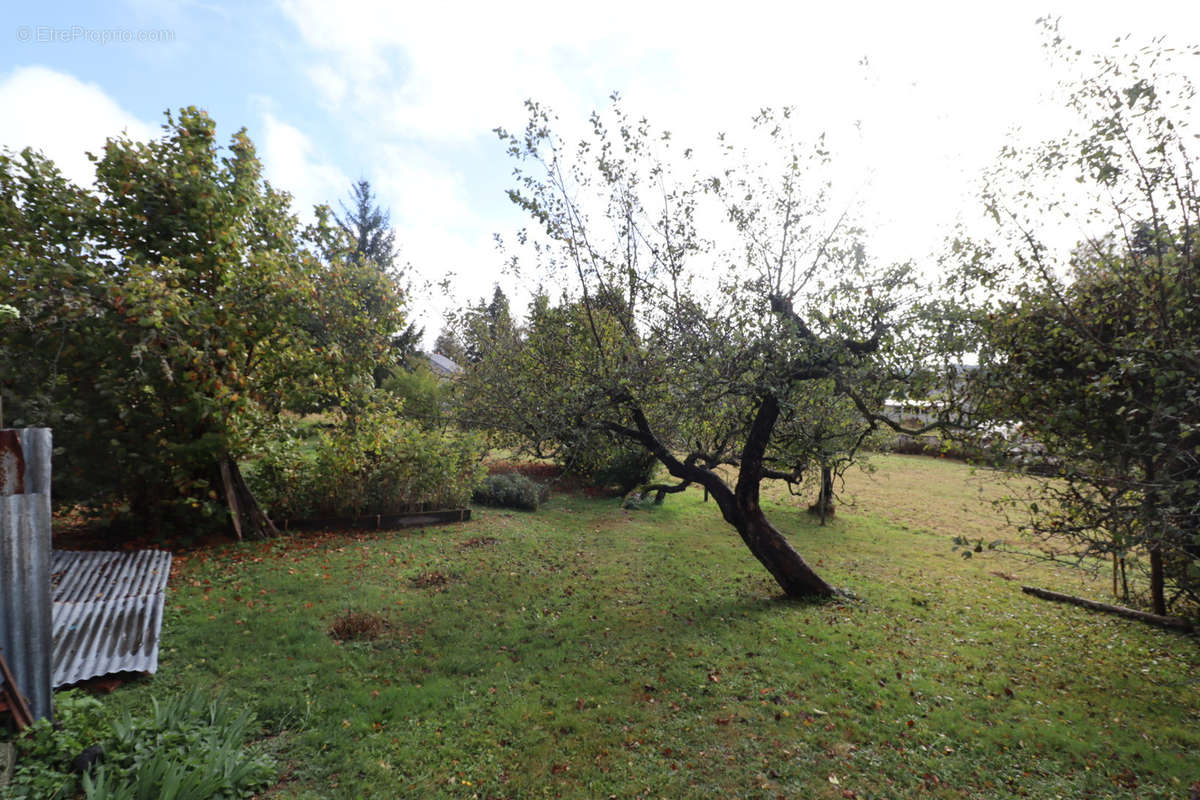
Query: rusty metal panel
(25, 601)
(107, 612)
(12, 463)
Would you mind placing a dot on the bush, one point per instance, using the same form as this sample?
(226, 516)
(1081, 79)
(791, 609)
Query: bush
(604, 462)
(188, 747)
(511, 490)
(626, 468)
(424, 395)
(376, 463)
(45, 751)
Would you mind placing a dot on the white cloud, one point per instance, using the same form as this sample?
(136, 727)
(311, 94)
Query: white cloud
(445, 71)
(439, 231)
(292, 165)
(63, 117)
(329, 83)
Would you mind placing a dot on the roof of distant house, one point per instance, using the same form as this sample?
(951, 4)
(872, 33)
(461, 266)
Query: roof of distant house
(442, 365)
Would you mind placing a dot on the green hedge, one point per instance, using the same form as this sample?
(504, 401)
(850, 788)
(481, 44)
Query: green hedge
(376, 463)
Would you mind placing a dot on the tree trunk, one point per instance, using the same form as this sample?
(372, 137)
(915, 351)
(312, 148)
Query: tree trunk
(826, 498)
(248, 518)
(824, 505)
(1158, 597)
(1119, 580)
(740, 506)
(794, 575)
(787, 567)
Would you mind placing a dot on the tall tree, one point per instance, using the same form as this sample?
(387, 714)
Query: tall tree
(373, 244)
(164, 317)
(710, 350)
(1096, 353)
(450, 345)
(369, 227)
(486, 326)
(361, 309)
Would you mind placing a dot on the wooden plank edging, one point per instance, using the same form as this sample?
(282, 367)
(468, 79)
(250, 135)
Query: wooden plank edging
(380, 522)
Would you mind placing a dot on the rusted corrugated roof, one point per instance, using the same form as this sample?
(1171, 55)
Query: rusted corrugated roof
(107, 612)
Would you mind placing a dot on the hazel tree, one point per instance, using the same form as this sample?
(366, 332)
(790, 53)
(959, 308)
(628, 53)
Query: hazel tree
(166, 317)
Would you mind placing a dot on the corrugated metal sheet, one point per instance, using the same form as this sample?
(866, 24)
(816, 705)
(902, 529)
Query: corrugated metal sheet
(67, 616)
(25, 609)
(107, 612)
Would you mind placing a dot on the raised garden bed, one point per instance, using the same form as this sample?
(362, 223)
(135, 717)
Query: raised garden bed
(379, 522)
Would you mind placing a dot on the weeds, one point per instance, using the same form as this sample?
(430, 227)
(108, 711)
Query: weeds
(189, 747)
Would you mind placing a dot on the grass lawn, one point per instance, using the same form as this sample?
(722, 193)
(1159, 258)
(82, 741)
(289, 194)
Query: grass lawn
(589, 652)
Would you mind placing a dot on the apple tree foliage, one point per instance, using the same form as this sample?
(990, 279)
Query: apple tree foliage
(1095, 349)
(713, 309)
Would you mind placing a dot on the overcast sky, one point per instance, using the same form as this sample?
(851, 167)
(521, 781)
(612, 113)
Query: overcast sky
(918, 96)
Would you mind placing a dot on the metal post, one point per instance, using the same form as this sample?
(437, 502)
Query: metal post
(25, 599)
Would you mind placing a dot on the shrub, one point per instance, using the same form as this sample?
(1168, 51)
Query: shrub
(424, 394)
(45, 751)
(637, 501)
(511, 490)
(377, 463)
(605, 462)
(626, 468)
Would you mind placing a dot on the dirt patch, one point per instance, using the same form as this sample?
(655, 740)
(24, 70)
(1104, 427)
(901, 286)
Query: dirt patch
(478, 541)
(358, 626)
(430, 580)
